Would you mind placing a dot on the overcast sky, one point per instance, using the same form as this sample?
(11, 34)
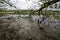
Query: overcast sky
(25, 4)
(31, 4)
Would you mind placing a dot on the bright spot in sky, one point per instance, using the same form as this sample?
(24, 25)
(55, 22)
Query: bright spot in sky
(25, 4)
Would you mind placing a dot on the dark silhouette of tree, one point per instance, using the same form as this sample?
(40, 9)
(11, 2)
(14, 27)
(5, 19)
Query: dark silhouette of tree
(47, 4)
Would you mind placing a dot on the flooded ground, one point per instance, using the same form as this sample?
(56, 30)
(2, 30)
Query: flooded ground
(14, 27)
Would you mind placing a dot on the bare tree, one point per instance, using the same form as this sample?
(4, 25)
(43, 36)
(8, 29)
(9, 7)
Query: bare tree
(47, 4)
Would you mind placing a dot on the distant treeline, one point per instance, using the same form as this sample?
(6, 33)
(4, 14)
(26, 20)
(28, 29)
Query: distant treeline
(32, 12)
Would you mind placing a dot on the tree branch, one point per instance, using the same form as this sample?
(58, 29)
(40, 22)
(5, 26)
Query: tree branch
(48, 3)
